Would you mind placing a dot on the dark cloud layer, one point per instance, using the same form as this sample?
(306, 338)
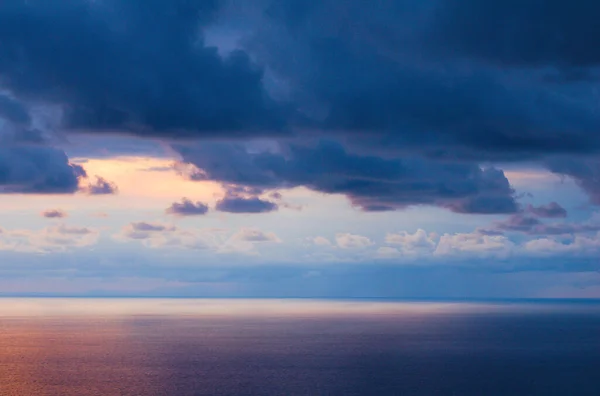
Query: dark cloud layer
(372, 68)
(135, 65)
(415, 94)
(585, 172)
(371, 183)
(37, 169)
(521, 32)
(342, 65)
(13, 111)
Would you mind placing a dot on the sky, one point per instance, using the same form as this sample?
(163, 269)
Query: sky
(287, 148)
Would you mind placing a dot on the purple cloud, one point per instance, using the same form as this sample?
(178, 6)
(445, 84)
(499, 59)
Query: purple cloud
(187, 208)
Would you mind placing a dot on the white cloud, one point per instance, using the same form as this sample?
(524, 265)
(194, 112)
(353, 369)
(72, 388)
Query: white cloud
(320, 241)
(157, 235)
(578, 245)
(474, 244)
(56, 238)
(255, 235)
(352, 241)
(246, 239)
(415, 244)
(386, 252)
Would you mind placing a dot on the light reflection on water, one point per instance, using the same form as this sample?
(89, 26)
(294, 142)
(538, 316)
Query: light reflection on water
(253, 347)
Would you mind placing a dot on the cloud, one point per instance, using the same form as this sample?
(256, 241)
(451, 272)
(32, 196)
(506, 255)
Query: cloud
(518, 222)
(398, 74)
(157, 235)
(13, 111)
(530, 33)
(54, 214)
(187, 208)
(566, 228)
(246, 239)
(381, 78)
(410, 244)
(58, 238)
(551, 210)
(144, 230)
(386, 252)
(234, 204)
(352, 241)
(579, 245)
(585, 172)
(411, 104)
(371, 183)
(37, 169)
(533, 226)
(320, 241)
(100, 186)
(104, 63)
(475, 244)
(255, 235)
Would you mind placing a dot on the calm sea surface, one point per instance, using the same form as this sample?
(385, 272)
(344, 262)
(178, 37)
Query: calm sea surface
(109, 347)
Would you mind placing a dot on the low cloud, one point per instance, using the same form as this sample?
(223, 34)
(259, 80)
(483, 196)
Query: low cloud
(157, 235)
(551, 210)
(54, 214)
(100, 186)
(187, 208)
(320, 241)
(144, 230)
(474, 244)
(411, 244)
(255, 235)
(246, 239)
(58, 238)
(530, 225)
(235, 204)
(578, 245)
(352, 241)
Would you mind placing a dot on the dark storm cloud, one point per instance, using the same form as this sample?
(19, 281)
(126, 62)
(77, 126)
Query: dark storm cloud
(187, 208)
(585, 172)
(28, 164)
(136, 65)
(236, 204)
(366, 68)
(400, 85)
(521, 32)
(143, 67)
(37, 169)
(371, 183)
(13, 111)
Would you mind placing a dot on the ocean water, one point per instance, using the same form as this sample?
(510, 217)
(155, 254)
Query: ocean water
(109, 347)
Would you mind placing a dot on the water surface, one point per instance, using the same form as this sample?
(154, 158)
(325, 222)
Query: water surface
(252, 347)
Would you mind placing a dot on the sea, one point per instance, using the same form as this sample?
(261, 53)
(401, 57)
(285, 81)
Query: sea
(172, 347)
